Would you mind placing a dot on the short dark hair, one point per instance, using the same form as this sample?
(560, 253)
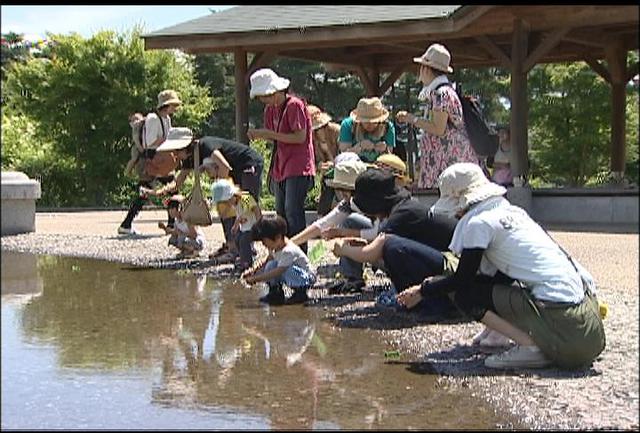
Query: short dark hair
(269, 227)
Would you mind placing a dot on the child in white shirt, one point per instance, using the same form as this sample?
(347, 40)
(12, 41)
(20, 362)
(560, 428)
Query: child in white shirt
(189, 239)
(287, 263)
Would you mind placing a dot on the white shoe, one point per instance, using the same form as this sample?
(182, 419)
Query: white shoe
(518, 357)
(127, 231)
(495, 339)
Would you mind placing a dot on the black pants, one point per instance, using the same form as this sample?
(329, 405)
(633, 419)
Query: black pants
(139, 200)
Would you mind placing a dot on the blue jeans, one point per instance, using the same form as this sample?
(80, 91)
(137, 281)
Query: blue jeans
(408, 262)
(350, 268)
(243, 241)
(290, 195)
(295, 277)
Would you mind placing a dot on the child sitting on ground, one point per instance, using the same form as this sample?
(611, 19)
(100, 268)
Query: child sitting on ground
(189, 239)
(247, 213)
(287, 263)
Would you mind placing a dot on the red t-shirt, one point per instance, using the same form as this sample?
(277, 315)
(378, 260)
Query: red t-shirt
(291, 159)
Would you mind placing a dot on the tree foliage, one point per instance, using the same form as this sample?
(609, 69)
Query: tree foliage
(65, 109)
(81, 98)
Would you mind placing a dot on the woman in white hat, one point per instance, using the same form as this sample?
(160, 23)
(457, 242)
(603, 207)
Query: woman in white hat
(445, 140)
(287, 124)
(368, 131)
(514, 278)
(342, 221)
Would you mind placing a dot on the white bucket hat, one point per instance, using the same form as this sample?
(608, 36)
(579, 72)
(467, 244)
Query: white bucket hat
(345, 174)
(178, 138)
(462, 185)
(436, 57)
(265, 82)
(223, 190)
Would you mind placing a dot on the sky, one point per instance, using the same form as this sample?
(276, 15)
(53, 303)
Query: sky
(35, 21)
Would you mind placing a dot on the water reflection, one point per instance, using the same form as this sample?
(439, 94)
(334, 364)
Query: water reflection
(212, 349)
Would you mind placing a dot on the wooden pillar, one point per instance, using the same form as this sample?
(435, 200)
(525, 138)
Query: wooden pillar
(519, 105)
(242, 97)
(616, 57)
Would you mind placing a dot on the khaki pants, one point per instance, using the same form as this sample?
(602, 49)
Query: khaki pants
(571, 336)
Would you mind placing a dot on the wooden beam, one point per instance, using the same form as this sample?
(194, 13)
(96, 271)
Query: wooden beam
(393, 77)
(599, 68)
(519, 106)
(260, 60)
(631, 72)
(495, 51)
(582, 41)
(550, 40)
(242, 99)
(616, 57)
(369, 86)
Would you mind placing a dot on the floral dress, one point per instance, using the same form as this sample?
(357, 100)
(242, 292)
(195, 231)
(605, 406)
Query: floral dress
(437, 153)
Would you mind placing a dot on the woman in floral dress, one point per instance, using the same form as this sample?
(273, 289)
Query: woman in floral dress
(445, 140)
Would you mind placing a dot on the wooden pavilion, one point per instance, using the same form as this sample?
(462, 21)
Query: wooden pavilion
(378, 43)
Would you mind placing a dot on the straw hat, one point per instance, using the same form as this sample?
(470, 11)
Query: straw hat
(223, 190)
(436, 57)
(370, 110)
(345, 174)
(168, 97)
(392, 163)
(462, 185)
(318, 117)
(178, 138)
(265, 82)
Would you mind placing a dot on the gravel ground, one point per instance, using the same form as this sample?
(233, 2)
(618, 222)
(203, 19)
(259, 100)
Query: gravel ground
(602, 397)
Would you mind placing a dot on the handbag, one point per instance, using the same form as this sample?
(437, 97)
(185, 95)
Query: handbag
(195, 209)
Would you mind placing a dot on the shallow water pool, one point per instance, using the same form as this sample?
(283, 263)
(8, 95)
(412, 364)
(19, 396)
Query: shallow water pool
(89, 344)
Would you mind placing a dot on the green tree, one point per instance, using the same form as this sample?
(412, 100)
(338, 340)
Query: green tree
(81, 99)
(570, 114)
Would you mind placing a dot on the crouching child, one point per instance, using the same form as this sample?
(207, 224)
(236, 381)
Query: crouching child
(189, 239)
(286, 264)
(247, 211)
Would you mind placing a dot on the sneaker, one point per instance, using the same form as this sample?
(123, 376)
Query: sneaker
(274, 297)
(518, 357)
(346, 286)
(299, 296)
(127, 231)
(389, 300)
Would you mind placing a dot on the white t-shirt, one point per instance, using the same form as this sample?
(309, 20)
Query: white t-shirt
(153, 129)
(518, 247)
(339, 214)
(292, 254)
(184, 229)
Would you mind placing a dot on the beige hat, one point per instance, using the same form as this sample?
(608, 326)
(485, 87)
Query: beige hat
(167, 97)
(265, 82)
(370, 110)
(436, 57)
(318, 117)
(178, 138)
(462, 185)
(345, 174)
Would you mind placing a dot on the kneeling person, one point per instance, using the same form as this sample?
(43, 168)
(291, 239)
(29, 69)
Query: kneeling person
(287, 263)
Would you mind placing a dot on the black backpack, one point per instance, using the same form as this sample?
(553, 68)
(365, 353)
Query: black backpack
(482, 136)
